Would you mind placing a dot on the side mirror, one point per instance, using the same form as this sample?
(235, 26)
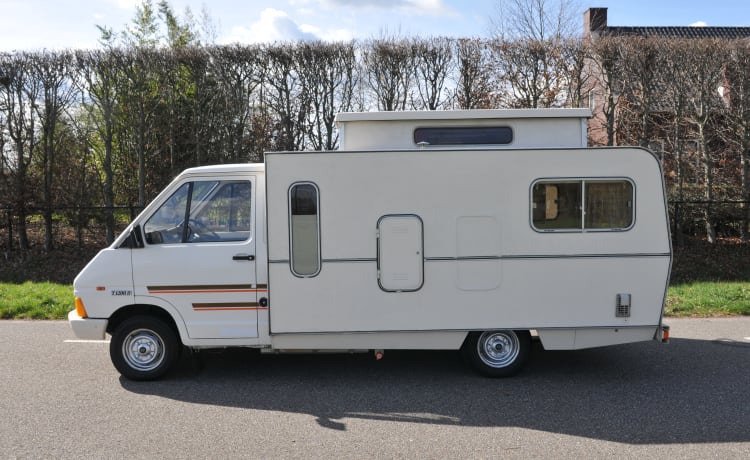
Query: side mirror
(134, 239)
(155, 237)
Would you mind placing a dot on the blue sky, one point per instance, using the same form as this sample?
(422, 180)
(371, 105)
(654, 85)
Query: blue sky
(37, 24)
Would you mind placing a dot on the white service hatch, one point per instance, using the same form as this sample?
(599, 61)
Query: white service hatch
(400, 253)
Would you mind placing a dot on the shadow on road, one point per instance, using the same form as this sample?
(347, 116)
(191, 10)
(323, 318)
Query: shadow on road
(690, 391)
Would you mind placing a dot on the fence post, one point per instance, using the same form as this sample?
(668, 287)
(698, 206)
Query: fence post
(678, 224)
(9, 216)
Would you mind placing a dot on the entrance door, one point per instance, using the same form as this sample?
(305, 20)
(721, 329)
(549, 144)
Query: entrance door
(199, 255)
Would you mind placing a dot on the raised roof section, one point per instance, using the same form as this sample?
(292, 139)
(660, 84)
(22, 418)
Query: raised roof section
(516, 128)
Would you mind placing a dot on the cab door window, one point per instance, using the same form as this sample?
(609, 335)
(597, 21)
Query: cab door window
(203, 211)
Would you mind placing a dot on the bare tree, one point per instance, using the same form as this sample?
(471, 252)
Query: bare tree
(101, 80)
(329, 73)
(736, 92)
(677, 80)
(388, 64)
(139, 98)
(532, 72)
(57, 94)
(529, 47)
(236, 70)
(474, 85)
(641, 66)
(433, 62)
(204, 105)
(537, 20)
(18, 94)
(285, 95)
(705, 60)
(606, 82)
(574, 53)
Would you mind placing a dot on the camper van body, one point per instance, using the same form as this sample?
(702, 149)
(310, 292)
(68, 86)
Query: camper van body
(400, 240)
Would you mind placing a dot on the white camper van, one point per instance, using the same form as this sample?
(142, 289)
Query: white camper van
(461, 230)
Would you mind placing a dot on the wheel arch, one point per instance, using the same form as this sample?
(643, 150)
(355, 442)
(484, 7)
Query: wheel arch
(146, 309)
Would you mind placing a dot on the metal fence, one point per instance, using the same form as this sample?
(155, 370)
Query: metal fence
(688, 218)
(77, 227)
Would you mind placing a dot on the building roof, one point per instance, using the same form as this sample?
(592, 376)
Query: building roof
(725, 33)
(595, 25)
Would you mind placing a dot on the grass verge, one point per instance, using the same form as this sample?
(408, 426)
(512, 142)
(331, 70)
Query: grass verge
(35, 300)
(54, 301)
(709, 298)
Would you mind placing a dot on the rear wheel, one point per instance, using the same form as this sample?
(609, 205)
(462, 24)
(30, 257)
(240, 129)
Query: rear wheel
(144, 348)
(497, 353)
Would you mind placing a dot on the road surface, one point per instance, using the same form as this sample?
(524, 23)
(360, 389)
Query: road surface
(62, 398)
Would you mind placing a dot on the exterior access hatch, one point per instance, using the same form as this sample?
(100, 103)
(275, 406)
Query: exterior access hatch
(400, 253)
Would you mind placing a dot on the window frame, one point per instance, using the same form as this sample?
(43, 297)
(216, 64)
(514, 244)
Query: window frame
(582, 180)
(458, 129)
(291, 230)
(191, 209)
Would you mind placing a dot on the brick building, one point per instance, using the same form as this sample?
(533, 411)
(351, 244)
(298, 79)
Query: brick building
(595, 26)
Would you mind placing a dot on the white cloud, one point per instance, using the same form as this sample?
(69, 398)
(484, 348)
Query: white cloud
(420, 7)
(699, 24)
(127, 4)
(338, 35)
(332, 35)
(273, 25)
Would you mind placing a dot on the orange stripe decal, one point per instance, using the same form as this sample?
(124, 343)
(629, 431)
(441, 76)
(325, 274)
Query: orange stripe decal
(228, 306)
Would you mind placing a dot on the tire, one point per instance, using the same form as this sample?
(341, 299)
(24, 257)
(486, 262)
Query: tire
(144, 348)
(497, 353)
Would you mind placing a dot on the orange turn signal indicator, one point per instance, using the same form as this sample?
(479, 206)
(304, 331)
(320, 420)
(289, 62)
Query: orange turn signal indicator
(80, 309)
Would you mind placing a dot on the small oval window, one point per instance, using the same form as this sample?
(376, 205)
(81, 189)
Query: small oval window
(304, 229)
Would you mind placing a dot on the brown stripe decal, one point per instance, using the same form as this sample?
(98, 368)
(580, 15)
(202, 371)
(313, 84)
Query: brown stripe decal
(228, 306)
(207, 289)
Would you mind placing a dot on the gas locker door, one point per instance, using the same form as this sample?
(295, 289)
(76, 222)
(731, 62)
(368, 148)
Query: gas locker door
(400, 253)
(199, 256)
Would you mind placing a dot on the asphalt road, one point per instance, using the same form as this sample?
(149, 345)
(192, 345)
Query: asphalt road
(688, 399)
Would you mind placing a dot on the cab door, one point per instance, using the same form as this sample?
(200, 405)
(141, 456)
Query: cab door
(199, 256)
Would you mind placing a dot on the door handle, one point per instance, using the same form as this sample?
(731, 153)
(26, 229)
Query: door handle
(243, 257)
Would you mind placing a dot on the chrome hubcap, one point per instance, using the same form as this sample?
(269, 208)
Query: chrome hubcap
(498, 348)
(143, 349)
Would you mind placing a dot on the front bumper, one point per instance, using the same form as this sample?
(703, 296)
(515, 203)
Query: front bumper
(87, 328)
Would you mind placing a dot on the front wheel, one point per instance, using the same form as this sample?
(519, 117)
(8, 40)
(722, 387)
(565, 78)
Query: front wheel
(497, 353)
(144, 348)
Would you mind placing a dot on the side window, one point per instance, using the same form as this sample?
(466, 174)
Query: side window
(304, 229)
(609, 204)
(203, 211)
(581, 205)
(557, 205)
(226, 213)
(165, 226)
(470, 135)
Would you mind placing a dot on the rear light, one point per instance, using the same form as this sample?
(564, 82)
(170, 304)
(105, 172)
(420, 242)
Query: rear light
(80, 309)
(664, 333)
